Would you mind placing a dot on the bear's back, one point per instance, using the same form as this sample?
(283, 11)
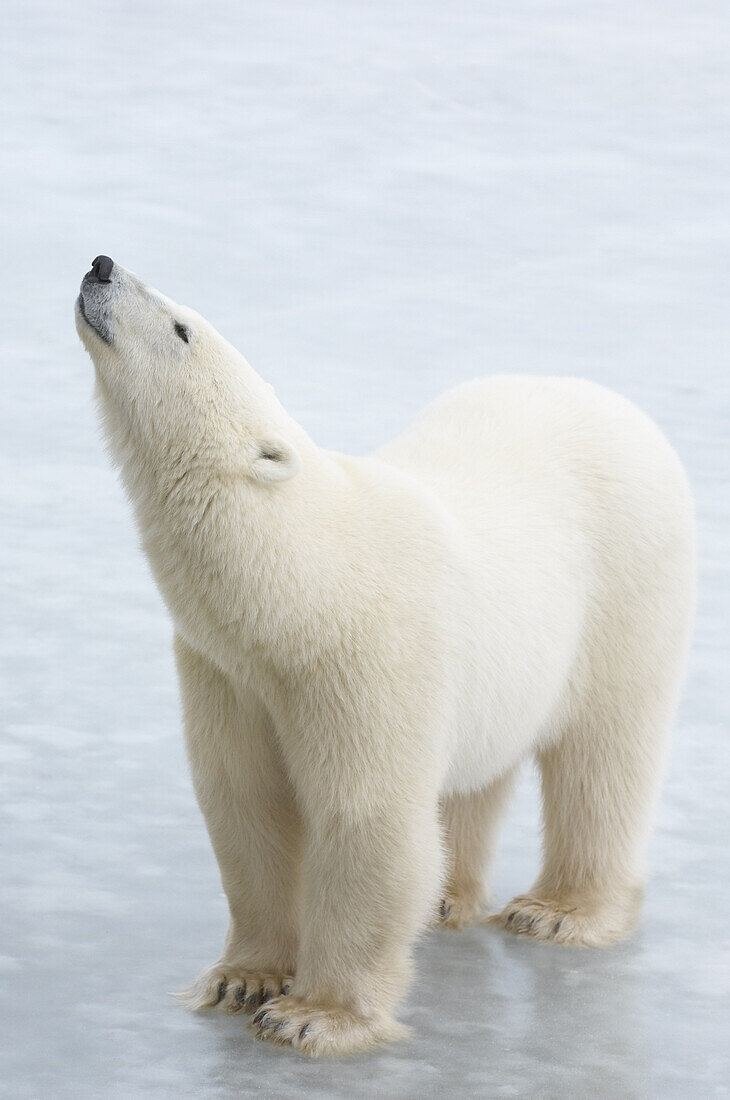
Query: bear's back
(563, 444)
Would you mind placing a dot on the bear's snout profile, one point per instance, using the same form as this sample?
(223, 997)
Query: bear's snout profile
(93, 309)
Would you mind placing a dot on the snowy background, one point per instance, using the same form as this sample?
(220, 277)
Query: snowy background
(373, 200)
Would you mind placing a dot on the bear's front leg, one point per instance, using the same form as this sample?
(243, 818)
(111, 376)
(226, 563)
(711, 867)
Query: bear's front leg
(248, 804)
(371, 876)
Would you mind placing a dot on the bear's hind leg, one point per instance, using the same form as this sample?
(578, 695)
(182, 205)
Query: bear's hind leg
(601, 772)
(598, 783)
(470, 824)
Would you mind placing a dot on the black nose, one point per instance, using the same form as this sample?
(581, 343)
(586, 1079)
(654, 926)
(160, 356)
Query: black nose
(101, 270)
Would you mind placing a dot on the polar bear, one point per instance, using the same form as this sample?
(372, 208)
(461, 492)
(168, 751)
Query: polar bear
(369, 647)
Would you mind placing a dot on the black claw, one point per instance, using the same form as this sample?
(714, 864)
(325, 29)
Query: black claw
(556, 929)
(445, 910)
(266, 996)
(240, 995)
(254, 1000)
(511, 917)
(259, 1017)
(279, 1026)
(222, 990)
(303, 1031)
(285, 989)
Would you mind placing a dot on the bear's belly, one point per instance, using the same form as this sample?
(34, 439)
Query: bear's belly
(511, 671)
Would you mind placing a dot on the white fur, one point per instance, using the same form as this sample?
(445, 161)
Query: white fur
(368, 647)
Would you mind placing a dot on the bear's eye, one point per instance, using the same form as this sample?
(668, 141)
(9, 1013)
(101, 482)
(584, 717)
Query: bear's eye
(182, 332)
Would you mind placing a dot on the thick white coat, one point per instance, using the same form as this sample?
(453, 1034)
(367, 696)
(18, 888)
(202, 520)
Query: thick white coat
(369, 647)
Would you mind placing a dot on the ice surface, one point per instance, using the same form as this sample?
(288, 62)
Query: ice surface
(373, 200)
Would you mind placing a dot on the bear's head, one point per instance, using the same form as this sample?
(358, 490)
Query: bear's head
(170, 386)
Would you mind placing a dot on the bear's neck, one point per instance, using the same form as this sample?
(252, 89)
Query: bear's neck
(242, 566)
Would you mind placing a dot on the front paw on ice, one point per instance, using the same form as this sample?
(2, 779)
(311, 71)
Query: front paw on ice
(233, 989)
(293, 1021)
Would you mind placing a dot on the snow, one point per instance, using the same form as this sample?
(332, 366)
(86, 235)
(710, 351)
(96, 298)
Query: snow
(373, 201)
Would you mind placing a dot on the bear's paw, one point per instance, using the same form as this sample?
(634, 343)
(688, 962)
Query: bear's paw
(322, 1030)
(457, 911)
(231, 989)
(582, 925)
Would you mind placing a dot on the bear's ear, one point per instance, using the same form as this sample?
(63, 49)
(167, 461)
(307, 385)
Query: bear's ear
(276, 460)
